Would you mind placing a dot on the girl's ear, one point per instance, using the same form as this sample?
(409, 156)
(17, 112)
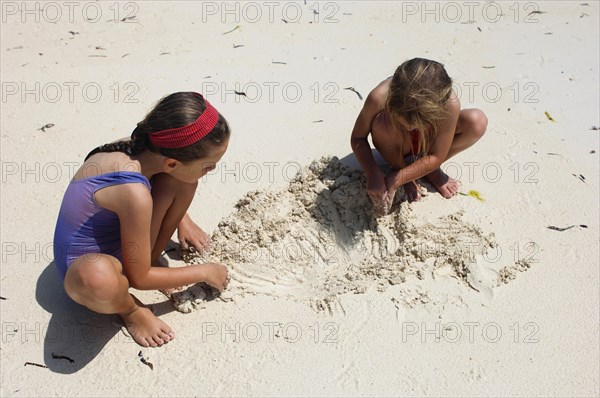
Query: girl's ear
(170, 164)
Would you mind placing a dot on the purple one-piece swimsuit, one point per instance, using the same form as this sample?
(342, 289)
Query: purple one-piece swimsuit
(85, 227)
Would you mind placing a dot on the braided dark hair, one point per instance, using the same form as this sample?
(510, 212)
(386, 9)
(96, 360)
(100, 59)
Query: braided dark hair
(172, 111)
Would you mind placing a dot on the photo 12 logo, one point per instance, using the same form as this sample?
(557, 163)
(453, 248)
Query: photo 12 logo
(469, 11)
(492, 92)
(470, 332)
(273, 92)
(493, 172)
(27, 332)
(253, 172)
(71, 92)
(54, 172)
(69, 11)
(253, 332)
(270, 11)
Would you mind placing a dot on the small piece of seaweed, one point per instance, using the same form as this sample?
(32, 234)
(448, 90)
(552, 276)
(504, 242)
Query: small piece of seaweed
(144, 361)
(560, 229)
(360, 97)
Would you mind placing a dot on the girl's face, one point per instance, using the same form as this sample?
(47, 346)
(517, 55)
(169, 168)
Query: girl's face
(404, 124)
(193, 171)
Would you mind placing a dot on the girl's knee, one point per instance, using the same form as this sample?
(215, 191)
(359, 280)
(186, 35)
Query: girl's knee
(480, 123)
(476, 122)
(165, 183)
(96, 276)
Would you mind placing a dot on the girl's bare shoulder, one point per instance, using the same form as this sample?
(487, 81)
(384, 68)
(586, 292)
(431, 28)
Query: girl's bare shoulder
(378, 96)
(453, 103)
(382, 89)
(107, 162)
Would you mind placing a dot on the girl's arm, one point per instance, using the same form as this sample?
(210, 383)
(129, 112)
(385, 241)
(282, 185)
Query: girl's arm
(133, 205)
(362, 128)
(437, 153)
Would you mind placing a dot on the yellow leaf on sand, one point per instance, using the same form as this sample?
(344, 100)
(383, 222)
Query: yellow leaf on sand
(475, 194)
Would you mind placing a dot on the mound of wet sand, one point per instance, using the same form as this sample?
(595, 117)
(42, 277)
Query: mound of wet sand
(318, 239)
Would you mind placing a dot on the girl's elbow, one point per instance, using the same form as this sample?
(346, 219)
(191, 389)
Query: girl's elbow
(356, 142)
(137, 282)
(134, 283)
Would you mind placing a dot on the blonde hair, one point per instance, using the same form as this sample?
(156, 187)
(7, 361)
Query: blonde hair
(418, 92)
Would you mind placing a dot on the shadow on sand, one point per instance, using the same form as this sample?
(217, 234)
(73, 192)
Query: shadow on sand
(74, 331)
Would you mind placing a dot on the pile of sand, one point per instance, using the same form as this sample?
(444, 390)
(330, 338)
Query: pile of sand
(318, 239)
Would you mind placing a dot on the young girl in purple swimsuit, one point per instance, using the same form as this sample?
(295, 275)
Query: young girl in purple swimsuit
(124, 204)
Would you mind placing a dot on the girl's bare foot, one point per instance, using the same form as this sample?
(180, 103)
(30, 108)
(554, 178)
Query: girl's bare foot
(447, 186)
(145, 328)
(412, 191)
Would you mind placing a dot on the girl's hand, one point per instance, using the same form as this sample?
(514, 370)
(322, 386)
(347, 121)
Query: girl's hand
(390, 181)
(215, 275)
(189, 233)
(391, 186)
(376, 187)
(378, 193)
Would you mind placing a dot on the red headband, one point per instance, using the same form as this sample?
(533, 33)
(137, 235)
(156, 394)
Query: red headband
(187, 135)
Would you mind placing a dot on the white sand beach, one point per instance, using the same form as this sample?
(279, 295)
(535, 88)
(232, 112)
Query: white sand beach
(458, 297)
